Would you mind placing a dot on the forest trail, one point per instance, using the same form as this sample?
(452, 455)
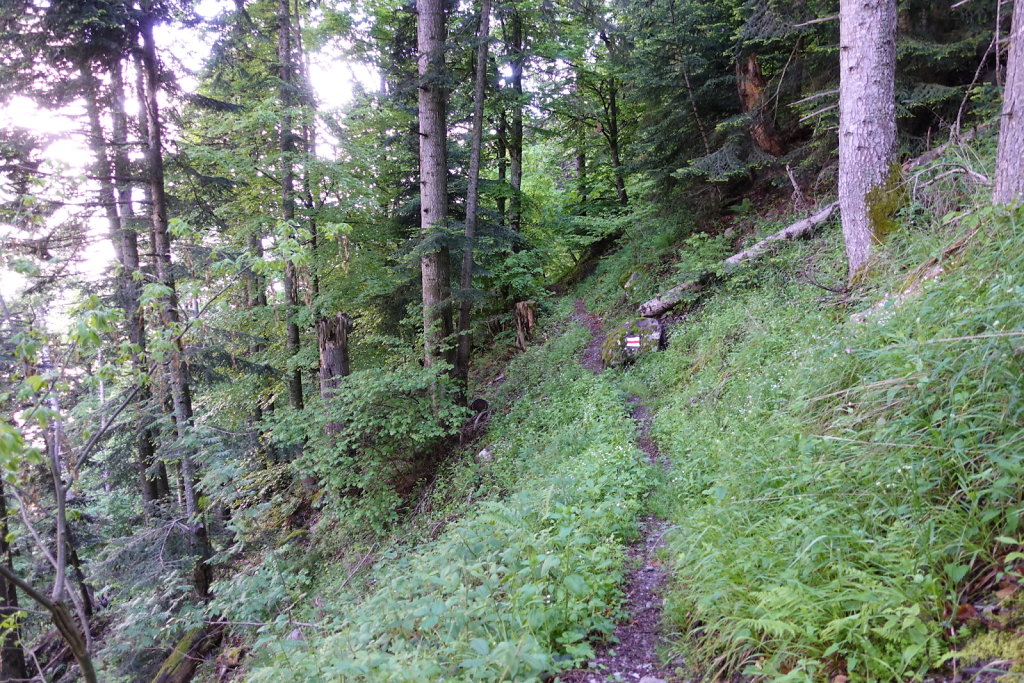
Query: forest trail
(632, 653)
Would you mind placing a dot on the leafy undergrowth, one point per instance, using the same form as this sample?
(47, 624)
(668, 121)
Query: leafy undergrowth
(511, 588)
(841, 489)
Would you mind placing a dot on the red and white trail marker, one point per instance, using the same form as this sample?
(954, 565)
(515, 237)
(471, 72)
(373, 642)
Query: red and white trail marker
(632, 342)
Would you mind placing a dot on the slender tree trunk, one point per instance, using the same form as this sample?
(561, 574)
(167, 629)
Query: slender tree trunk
(581, 177)
(867, 122)
(12, 656)
(614, 143)
(501, 145)
(286, 66)
(117, 207)
(465, 347)
(177, 368)
(1010, 157)
(129, 292)
(163, 483)
(515, 142)
(437, 310)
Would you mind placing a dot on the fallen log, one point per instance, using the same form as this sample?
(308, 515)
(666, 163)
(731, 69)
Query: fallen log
(668, 300)
(801, 228)
(671, 298)
(191, 651)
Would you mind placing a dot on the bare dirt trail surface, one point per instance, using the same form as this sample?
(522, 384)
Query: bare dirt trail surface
(632, 655)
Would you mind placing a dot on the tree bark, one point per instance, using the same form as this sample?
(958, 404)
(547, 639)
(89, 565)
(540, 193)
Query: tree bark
(614, 143)
(434, 266)
(526, 321)
(515, 141)
(12, 656)
(129, 291)
(867, 123)
(286, 74)
(1009, 186)
(750, 85)
(465, 345)
(501, 151)
(177, 367)
(332, 335)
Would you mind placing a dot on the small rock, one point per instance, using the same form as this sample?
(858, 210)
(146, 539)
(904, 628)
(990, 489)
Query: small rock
(651, 679)
(484, 455)
(626, 342)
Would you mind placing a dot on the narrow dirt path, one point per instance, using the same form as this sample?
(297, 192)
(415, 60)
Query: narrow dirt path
(632, 653)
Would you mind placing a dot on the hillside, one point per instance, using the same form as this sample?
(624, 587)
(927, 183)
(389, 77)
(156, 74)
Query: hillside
(579, 341)
(838, 496)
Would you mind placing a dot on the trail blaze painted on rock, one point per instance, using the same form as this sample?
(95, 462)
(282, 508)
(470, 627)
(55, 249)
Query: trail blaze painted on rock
(633, 342)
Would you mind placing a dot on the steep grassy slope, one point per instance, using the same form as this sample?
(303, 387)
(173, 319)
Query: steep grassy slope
(531, 565)
(847, 469)
(844, 494)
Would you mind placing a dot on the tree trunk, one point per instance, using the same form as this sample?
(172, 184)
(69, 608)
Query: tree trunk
(177, 368)
(465, 346)
(526, 321)
(437, 310)
(12, 656)
(670, 298)
(515, 142)
(614, 143)
(332, 335)
(501, 151)
(286, 72)
(750, 85)
(867, 123)
(129, 292)
(1010, 157)
(581, 178)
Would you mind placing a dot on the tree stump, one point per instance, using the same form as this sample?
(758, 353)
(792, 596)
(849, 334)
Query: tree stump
(332, 338)
(526, 321)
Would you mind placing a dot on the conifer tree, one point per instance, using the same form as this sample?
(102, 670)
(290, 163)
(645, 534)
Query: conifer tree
(1010, 157)
(867, 120)
(437, 309)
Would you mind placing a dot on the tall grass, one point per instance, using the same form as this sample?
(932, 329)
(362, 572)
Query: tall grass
(838, 487)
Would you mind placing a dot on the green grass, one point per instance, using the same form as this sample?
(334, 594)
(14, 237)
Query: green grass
(513, 587)
(838, 486)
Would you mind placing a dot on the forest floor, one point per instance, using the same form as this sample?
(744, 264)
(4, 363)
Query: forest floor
(631, 654)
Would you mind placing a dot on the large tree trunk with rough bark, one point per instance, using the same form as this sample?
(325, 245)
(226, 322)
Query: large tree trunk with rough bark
(867, 123)
(465, 345)
(437, 309)
(332, 337)
(1010, 157)
(177, 367)
(526, 323)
